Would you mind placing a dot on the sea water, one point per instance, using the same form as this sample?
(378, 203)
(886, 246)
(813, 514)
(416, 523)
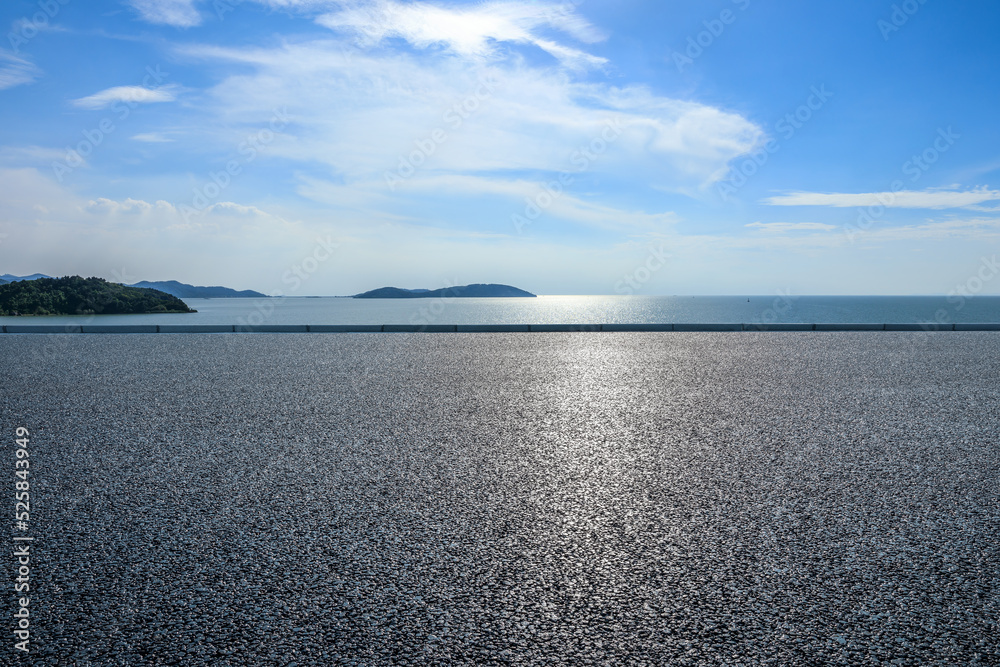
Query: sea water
(563, 310)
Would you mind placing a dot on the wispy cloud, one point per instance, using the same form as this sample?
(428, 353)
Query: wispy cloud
(179, 13)
(362, 112)
(129, 94)
(129, 206)
(372, 195)
(234, 209)
(15, 70)
(978, 229)
(151, 138)
(474, 32)
(796, 238)
(22, 156)
(930, 199)
(102, 205)
(782, 227)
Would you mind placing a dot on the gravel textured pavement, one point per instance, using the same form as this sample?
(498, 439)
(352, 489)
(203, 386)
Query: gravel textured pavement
(526, 499)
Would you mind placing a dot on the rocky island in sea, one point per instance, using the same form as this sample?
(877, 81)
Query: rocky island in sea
(475, 290)
(74, 295)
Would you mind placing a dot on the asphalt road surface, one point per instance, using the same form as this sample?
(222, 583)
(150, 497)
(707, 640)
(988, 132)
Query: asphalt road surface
(526, 499)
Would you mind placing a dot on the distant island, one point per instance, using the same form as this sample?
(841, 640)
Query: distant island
(184, 291)
(74, 295)
(172, 287)
(477, 290)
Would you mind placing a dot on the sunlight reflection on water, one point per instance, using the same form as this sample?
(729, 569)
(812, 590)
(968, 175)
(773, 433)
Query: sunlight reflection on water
(558, 309)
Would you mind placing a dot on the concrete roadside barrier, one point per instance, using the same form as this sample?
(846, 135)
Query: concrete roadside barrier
(561, 328)
(906, 326)
(42, 328)
(849, 326)
(485, 328)
(492, 328)
(118, 328)
(778, 326)
(196, 328)
(973, 326)
(345, 328)
(933, 326)
(418, 328)
(707, 327)
(637, 327)
(272, 328)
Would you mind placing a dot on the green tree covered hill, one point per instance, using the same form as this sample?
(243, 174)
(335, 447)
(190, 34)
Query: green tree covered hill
(74, 295)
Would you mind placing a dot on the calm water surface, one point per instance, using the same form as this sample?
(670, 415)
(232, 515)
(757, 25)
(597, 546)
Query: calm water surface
(560, 310)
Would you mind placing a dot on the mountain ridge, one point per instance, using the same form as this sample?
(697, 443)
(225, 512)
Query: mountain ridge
(481, 290)
(171, 287)
(185, 291)
(8, 278)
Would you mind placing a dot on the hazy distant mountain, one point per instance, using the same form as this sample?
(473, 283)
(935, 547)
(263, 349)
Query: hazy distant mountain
(8, 278)
(477, 290)
(184, 291)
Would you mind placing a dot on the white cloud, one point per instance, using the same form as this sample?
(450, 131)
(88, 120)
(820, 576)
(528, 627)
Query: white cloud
(372, 196)
(179, 13)
(103, 206)
(128, 94)
(362, 113)
(26, 24)
(973, 230)
(979, 230)
(21, 189)
(20, 156)
(142, 238)
(152, 138)
(563, 205)
(234, 209)
(169, 213)
(225, 215)
(15, 71)
(931, 199)
(473, 32)
(307, 5)
(782, 227)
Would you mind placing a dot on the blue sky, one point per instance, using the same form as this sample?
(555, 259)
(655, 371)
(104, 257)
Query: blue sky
(578, 147)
